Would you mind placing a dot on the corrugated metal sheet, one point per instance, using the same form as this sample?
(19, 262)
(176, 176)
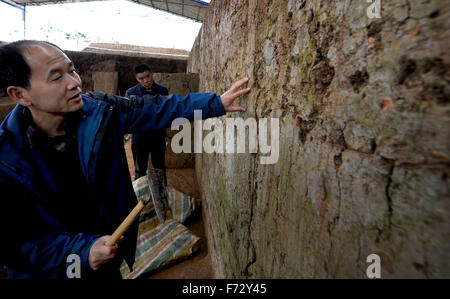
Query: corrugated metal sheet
(192, 9)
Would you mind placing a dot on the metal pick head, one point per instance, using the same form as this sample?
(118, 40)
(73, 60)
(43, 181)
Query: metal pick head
(146, 199)
(155, 179)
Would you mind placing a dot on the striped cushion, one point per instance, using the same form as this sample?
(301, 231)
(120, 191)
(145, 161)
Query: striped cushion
(181, 205)
(161, 244)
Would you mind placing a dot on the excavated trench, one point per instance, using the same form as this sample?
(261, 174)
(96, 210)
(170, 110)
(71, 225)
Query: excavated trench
(364, 153)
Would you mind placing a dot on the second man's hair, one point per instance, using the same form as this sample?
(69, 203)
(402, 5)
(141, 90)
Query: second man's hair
(141, 68)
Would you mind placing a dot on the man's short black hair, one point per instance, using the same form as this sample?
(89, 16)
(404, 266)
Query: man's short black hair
(14, 70)
(141, 68)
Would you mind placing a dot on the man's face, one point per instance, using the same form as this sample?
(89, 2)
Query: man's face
(55, 87)
(146, 79)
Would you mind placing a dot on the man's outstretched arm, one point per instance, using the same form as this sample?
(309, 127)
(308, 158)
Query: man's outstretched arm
(141, 113)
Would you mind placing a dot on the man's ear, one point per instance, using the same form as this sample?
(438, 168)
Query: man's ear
(19, 95)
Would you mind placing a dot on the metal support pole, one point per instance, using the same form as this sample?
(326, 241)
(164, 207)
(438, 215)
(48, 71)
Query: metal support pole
(24, 21)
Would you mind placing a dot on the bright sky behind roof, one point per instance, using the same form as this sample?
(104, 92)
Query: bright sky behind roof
(73, 26)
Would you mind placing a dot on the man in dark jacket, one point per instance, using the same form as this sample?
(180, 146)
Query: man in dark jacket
(64, 179)
(150, 142)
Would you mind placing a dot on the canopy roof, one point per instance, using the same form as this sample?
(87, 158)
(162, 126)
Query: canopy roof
(191, 9)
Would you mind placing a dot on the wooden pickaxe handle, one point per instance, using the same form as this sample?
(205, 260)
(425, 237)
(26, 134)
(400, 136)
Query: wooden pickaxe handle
(125, 224)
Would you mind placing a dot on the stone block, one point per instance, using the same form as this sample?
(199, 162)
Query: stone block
(105, 81)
